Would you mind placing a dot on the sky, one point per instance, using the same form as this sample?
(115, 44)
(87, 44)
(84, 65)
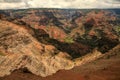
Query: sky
(79, 4)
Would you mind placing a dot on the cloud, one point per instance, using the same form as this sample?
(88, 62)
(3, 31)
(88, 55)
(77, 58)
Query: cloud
(11, 1)
(113, 1)
(14, 4)
(18, 4)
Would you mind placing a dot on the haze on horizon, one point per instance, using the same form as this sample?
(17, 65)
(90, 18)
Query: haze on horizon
(78, 4)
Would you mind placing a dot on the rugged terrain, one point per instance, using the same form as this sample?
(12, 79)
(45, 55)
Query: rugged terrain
(107, 67)
(40, 42)
(18, 50)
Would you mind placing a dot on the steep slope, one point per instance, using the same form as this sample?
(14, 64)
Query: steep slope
(20, 50)
(106, 67)
(96, 29)
(64, 22)
(76, 32)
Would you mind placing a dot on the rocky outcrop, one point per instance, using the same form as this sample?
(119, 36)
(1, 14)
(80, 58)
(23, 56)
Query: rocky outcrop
(88, 58)
(9, 35)
(39, 65)
(21, 50)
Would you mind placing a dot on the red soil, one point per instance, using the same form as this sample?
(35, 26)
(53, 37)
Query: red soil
(61, 75)
(107, 68)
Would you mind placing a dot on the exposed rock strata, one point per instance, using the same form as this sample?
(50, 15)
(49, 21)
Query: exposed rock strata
(39, 65)
(21, 50)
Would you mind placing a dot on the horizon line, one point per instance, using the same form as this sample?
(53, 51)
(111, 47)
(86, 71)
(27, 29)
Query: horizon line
(60, 8)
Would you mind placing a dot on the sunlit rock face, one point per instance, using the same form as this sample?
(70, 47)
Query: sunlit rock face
(19, 49)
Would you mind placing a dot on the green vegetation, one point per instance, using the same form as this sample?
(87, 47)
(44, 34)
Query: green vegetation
(117, 29)
(69, 40)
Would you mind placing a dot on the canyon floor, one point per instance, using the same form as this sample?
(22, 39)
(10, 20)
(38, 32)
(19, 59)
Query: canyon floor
(104, 68)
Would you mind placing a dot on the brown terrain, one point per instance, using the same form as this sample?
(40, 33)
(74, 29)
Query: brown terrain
(61, 75)
(104, 68)
(58, 44)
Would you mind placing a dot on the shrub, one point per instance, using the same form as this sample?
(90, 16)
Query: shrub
(117, 29)
(69, 40)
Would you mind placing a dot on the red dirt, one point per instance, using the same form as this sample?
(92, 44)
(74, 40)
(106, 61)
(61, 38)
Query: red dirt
(61, 75)
(107, 73)
(107, 68)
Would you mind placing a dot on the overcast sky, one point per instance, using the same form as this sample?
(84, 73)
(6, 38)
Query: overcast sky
(19, 4)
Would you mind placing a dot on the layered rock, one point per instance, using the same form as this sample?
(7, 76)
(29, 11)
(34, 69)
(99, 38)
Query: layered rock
(39, 65)
(21, 50)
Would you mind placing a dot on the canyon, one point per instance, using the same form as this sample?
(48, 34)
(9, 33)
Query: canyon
(46, 42)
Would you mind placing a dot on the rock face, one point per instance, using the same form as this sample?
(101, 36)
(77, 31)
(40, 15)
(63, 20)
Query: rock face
(21, 50)
(11, 38)
(39, 65)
